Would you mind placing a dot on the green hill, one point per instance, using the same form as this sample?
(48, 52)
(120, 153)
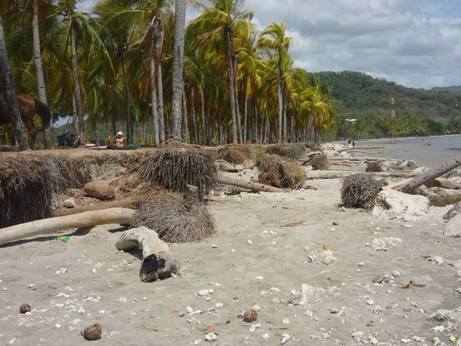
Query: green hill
(455, 88)
(360, 95)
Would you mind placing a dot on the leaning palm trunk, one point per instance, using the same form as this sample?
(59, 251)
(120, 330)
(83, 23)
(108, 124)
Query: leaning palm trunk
(79, 121)
(178, 65)
(186, 132)
(39, 70)
(9, 100)
(204, 128)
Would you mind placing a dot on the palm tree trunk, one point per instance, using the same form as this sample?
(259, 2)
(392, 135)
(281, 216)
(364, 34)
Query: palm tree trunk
(230, 73)
(178, 65)
(202, 99)
(153, 83)
(39, 71)
(285, 123)
(79, 120)
(245, 117)
(194, 118)
(186, 132)
(129, 125)
(161, 108)
(9, 92)
(280, 97)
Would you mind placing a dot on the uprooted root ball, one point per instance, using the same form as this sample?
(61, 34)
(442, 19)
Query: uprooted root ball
(233, 155)
(176, 168)
(292, 151)
(360, 191)
(175, 217)
(320, 162)
(26, 189)
(374, 167)
(280, 172)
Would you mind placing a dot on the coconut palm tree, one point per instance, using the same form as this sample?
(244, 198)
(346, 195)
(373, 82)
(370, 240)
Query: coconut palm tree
(274, 37)
(178, 66)
(8, 99)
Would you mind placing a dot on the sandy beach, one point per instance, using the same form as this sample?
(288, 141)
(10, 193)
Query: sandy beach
(269, 250)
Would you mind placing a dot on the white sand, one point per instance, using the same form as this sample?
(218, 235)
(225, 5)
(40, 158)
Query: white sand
(71, 285)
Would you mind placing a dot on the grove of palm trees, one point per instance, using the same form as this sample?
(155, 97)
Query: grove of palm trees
(137, 66)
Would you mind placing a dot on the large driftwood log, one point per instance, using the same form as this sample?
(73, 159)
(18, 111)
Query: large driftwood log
(344, 174)
(431, 175)
(440, 197)
(360, 148)
(61, 223)
(255, 187)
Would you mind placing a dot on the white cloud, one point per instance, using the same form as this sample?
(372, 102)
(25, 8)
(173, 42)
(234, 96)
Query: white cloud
(413, 42)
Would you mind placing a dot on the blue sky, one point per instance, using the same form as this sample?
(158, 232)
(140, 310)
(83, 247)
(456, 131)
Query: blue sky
(414, 42)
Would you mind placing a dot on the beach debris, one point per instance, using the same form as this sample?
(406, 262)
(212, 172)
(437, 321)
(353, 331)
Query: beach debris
(234, 154)
(250, 316)
(440, 197)
(280, 172)
(373, 166)
(392, 204)
(381, 279)
(25, 308)
(69, 203)
(176, 217)
(175, 169)
(320, 162)
(412, 284)
(311, 295)
(453, 227)
(385, 244)
(99, 190)
(93, 332)
(210, 337)
(285, 338)
(431, 175)
(360, 191)
(158, 262)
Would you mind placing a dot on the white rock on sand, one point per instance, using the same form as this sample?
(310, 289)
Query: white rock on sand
(453, 227)
(393, 204)
(385, 244)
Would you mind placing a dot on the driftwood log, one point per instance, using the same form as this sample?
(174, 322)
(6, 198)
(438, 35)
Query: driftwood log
(157, 261)
(61, 223)
(255, 187)
(344, 174)
(431, 175)
(360, 148)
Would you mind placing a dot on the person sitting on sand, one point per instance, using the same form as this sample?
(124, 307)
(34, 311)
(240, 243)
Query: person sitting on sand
(119, 139)
(77, 141)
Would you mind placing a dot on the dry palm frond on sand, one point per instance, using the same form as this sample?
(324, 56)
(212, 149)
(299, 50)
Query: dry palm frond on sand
(176, 217)
(174, 169)
(360, 191)
(280, 172)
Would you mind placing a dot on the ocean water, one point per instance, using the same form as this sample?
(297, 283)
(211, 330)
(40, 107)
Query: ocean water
(426, 151)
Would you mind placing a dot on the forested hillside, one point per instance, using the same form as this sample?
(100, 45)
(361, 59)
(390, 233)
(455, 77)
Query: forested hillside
(358, 94)
(365, 98)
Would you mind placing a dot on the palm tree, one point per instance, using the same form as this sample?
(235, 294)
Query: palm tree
(39, 67)
(178, 66)
(274, 38)
(10, 101)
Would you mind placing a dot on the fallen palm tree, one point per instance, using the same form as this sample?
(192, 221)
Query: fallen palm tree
(360, 191)
(320, 162)
(422, 179)
(247, 185)
(234, 154)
